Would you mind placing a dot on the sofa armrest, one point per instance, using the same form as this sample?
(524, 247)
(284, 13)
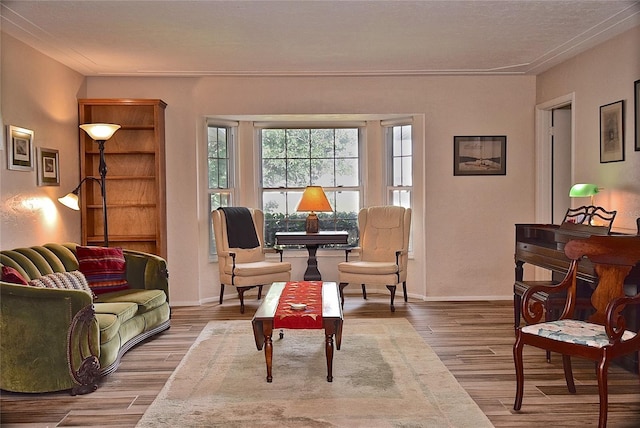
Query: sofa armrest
(146, 271)
(50, 339)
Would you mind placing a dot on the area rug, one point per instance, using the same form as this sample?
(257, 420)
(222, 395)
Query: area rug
(385, 375)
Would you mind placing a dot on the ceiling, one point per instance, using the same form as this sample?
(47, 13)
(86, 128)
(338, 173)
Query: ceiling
(314, 37)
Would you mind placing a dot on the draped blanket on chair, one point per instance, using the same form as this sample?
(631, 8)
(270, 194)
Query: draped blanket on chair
(241, 231)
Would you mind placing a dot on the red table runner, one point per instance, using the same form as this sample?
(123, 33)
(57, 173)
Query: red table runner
(307, 292)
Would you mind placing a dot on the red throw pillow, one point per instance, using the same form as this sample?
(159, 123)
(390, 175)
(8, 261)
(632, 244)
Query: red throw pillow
(12, 276)
(104, 268)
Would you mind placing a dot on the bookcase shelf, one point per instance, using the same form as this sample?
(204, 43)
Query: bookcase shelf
(135, 181)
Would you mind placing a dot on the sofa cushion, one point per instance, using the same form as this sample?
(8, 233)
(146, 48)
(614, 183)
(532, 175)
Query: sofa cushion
(12, 276)
(70, 280)
(146, 300)
(123, 310)
(109, 326)
(104, 267)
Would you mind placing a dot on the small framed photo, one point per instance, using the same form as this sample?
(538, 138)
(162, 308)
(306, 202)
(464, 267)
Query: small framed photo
(20, 148)
(482, 155)
(612, 132)
(48, 167)
(636, 97)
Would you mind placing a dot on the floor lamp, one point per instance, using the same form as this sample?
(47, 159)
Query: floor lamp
(100, 133)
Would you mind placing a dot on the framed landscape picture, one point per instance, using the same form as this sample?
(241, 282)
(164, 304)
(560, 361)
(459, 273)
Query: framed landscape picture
(19, 148)
(481, 155)
(612, 132)
(48, 167)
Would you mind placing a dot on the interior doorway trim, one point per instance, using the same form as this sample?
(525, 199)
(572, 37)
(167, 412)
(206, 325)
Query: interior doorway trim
(543, 152)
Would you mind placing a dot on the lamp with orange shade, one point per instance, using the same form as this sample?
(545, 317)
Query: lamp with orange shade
(313, 200)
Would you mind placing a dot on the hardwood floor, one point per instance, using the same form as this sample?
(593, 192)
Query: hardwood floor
(473, 339)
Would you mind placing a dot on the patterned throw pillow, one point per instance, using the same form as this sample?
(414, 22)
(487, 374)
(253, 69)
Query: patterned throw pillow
(74, 280)
(12, 276)
(104, 268)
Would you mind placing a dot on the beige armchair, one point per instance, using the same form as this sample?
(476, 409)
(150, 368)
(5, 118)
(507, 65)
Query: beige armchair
(384, 247)
(243, 264)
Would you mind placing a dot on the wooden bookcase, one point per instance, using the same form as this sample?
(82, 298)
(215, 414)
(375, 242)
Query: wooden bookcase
(135, 180)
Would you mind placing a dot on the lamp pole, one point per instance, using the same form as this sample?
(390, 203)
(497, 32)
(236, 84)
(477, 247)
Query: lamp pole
(102, 169)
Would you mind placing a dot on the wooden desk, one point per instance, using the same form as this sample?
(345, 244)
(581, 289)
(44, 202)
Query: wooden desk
(312, 241)
(331, 321)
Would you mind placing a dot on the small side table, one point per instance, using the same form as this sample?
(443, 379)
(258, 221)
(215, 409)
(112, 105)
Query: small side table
(312, 241)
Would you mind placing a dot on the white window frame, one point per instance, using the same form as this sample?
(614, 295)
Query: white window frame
(230, 190)
(360, 126)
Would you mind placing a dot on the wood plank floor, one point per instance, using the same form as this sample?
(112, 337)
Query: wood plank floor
(473, 339)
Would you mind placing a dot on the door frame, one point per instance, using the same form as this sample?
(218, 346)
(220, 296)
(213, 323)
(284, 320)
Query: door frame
(543, 153)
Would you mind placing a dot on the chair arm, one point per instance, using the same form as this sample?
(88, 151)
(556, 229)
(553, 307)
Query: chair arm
(615, 322)
(532, 309)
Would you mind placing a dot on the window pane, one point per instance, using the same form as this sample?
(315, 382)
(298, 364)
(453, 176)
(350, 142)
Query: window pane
(298, 145)
(298, 172)
(347, 142)
(322, 173)
(273, 143)
(277, 172)
(347, 172)
(407, 172)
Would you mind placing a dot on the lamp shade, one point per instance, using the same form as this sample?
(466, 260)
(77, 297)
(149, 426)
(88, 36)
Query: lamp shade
(70, 200)
(582, 190)
(100, 131)
(314, 199)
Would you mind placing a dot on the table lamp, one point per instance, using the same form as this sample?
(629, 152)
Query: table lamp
(582, 190)
(313, 200)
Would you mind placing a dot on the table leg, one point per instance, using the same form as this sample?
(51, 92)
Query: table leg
(267, 330)
(329, 352)
(312, 273)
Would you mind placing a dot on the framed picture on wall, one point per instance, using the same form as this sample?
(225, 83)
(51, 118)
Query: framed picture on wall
(612, 132)
(19, 148)
(636, 103)
(482, 155)
(48, 167)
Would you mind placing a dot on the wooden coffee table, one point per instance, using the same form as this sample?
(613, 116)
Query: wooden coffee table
(331, 323)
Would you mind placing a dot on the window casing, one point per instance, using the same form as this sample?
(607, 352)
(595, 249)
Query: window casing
(220, 140)
(293, 158)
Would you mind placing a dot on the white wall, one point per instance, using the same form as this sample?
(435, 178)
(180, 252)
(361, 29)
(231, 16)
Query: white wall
(600, 76)
(463, 225)
(41, 95)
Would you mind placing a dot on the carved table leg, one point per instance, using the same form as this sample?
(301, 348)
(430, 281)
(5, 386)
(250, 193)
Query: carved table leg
(267, 329)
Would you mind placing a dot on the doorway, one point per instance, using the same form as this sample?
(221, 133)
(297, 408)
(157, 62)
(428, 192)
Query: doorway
(554, 158)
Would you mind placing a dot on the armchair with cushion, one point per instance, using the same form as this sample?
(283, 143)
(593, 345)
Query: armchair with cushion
(605, 334)
(384, 251)
(239, 234)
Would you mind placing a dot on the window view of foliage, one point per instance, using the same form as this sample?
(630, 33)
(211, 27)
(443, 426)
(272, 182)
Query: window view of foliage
(295, 158)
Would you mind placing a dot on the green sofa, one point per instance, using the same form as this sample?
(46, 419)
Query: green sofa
(54, 339)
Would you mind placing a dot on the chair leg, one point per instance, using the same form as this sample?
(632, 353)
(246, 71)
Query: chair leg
(364, 292)
(259, 292)
(341, 287)
(603, 374)
(241, 291)
(392, 289)
(404, 290)
(568, 373)
(221, 292)
(517, 359)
